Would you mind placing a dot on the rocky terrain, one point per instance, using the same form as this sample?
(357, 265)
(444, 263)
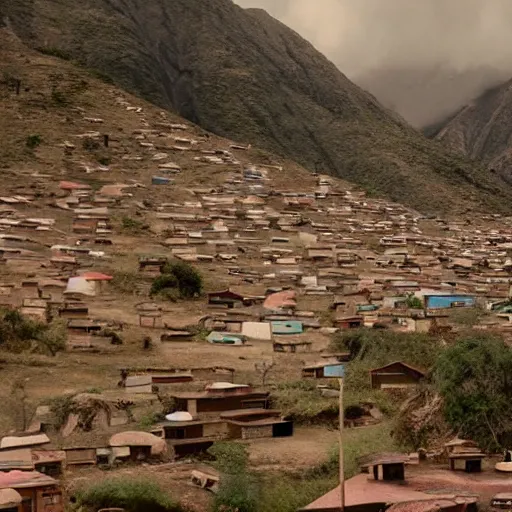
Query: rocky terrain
(481, 130)
(243, 75)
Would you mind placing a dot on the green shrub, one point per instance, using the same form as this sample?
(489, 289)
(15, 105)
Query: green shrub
(133, 495)
(19, 333)
(33, 141)
(413, 302)
(474, 377)
(190, 282)
(179, 279)
(103, 160)
(238, 489)
(163, 282)
(131, 224)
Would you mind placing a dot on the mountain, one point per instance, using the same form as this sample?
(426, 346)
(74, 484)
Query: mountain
(482, 130)
(428, 94)
(243, 75)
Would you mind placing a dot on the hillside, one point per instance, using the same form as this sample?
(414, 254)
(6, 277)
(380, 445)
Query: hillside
(243, 75)
(482, 130)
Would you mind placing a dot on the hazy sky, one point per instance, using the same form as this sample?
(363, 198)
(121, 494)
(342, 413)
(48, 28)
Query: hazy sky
(363, 34)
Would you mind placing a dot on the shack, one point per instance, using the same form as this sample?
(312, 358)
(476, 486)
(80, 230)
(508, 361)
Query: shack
(38, 492)
(219, 397)
(395, 375)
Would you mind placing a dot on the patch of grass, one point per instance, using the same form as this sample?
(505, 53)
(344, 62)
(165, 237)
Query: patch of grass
(103, 160)
(305, 404)
(357, 442)
(133, 225)
(33, 141)
(467, 317)
(53, 51)
(59, 98)
(90, 144)
(131, 494)
(125, 282)
(290, 493)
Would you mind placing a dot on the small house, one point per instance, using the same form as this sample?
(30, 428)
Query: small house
(226, 298)
(38, 492)
(349, 322)
(292, 346)
(387, 466)
(317, 371)
(397, 375)
(220, 397)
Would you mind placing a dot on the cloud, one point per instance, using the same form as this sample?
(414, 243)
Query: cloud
(361, 36)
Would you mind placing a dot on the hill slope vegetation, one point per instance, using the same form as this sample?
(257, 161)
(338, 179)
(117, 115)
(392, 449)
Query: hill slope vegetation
(241, 74)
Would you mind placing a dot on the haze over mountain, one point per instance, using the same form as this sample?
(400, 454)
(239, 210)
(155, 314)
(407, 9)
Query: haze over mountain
(243, 75)
(425, 59)
(483, 130)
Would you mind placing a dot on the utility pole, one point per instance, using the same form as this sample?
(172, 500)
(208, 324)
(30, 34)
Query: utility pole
(342, 469)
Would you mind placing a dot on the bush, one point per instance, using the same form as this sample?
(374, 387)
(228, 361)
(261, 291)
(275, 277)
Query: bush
(238, 489)
(474, 377)
(125, 282)
(33, 141)
(163, 282)
(413, 302)
(178, 280)
(133, 495)
(190, 282)
(19, 333)
(131, 224)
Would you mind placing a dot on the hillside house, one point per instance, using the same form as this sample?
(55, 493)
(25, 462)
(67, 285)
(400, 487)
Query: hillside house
(38, 492)
(397, 375)
(226, 298)
(218, 398)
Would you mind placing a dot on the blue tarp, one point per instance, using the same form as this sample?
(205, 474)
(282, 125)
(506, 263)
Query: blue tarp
(449, 301)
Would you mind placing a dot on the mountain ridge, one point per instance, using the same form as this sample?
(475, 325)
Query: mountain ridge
(245, 76)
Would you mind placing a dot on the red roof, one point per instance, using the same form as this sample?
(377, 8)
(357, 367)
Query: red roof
(19, 479)
(96, 276)
(71, 185)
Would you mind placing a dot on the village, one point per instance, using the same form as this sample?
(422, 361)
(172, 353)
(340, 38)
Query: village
(150, 379)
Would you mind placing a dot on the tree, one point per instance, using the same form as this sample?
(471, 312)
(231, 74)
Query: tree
(179, 279)
(263, 368)
(474, 377)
